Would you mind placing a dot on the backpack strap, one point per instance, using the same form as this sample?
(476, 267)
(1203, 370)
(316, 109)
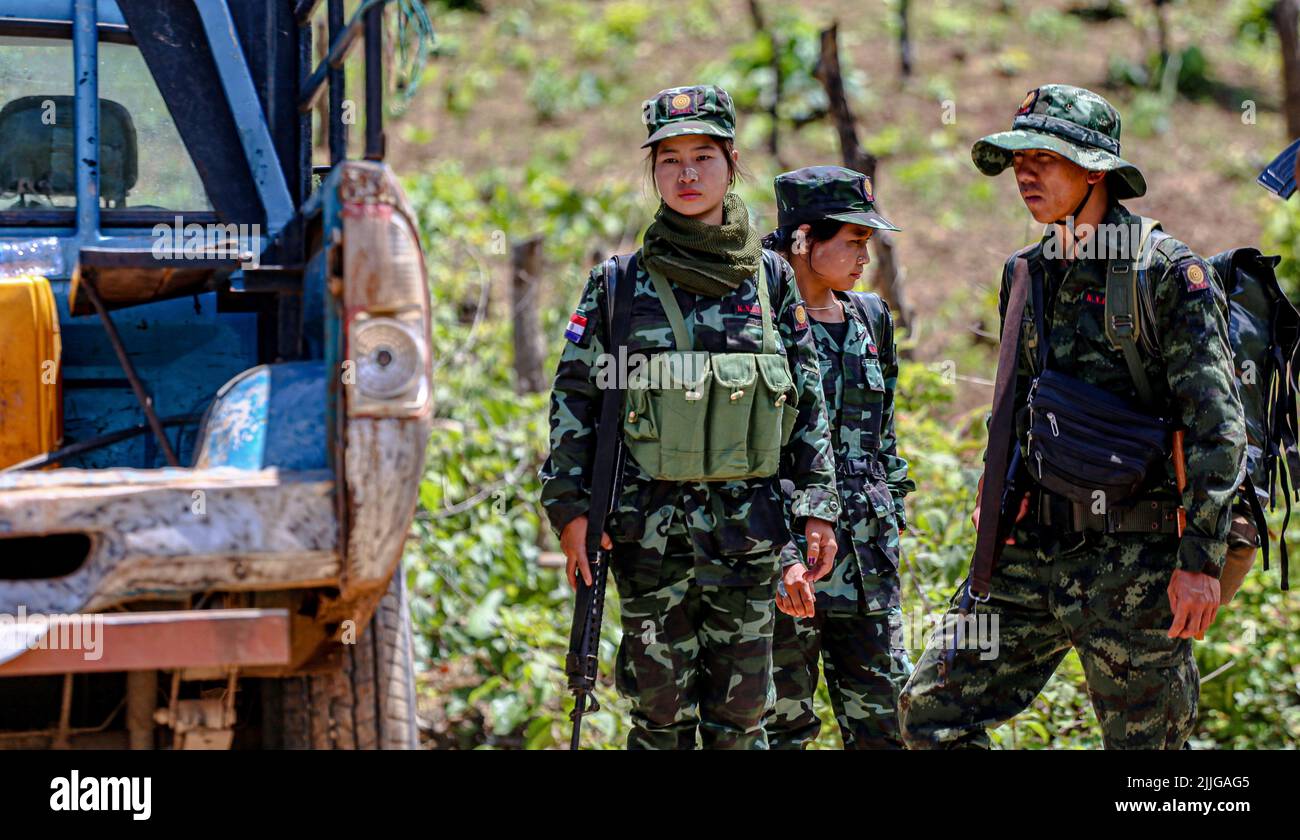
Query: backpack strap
(619, 275)
(1122, 316)
(614, 270)
(765, 307)
(1012, 266)
(874, 312)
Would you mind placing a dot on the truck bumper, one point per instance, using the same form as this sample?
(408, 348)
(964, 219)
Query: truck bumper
(141, 641)
(159, 534)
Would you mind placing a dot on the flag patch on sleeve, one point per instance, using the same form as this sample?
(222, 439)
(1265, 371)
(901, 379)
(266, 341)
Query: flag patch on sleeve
(576, 329)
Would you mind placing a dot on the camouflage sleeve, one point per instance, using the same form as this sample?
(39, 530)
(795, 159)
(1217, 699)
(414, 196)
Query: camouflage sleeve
(1193, 337)
(895, 467)
(807, 460)
(575, 408)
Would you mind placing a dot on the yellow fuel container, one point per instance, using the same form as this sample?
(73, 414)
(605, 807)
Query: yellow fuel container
(31, 396)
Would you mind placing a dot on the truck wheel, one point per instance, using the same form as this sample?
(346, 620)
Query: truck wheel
(368, 705)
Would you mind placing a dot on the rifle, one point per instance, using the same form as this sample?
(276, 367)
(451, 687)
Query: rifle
(583, 660)
(1013, 492)
(1005, 484)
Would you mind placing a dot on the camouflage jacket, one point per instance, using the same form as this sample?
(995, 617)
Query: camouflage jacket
(1193, 375)
(859, 380)
(725, 519)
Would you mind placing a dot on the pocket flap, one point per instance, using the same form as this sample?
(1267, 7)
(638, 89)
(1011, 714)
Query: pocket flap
(684, 369)
(875, 377)
(734, 370)
(776, 374)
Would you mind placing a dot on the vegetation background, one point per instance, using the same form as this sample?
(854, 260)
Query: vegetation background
(526, 124)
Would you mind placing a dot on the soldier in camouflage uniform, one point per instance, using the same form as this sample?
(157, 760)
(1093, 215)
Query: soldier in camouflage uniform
(826, 215)
(695, 563)
(1128, 597)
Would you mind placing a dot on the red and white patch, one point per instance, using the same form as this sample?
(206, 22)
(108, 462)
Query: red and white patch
(577, 328)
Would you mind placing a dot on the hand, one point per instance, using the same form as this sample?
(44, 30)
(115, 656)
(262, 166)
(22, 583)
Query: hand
(1194, 599)
(822, 548)
(573, 542)
(975, 515)
(799, 599)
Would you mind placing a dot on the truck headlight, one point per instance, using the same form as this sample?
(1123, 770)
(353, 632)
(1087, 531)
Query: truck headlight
(389, 361)
(385, 299)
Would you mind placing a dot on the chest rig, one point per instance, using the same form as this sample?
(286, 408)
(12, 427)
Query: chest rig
(704, 416)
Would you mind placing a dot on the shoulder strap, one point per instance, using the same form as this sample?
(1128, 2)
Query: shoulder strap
(672, 310)
(678, 322)
(1031, 275)
(1123, 322)
(619, 274)
(1001, 437)
(864, 303)
(765, 307)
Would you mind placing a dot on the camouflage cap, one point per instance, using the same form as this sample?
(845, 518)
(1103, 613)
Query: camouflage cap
(827, 192)
(1075, 123)
(697, 109)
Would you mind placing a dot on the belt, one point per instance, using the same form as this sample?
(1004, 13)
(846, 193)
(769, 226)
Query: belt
(1144, 516)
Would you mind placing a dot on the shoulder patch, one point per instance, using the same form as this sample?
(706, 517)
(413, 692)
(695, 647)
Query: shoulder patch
(1196, 275)
(800, 317)
(576, 331)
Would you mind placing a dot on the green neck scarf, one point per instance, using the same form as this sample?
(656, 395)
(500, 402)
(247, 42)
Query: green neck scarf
(709, 260)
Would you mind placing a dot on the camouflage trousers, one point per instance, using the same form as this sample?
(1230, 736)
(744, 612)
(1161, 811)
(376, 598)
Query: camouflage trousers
(1105, 596)
(866, 666)
(695, 660)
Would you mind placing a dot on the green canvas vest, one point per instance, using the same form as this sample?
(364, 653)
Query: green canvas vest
(704, 416)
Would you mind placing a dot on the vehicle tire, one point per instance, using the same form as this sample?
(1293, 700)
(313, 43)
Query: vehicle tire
(369, 704)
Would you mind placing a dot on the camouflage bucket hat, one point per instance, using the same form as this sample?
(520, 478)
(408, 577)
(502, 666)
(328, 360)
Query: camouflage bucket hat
(698, 109)
(1075, 123)
(827, 192)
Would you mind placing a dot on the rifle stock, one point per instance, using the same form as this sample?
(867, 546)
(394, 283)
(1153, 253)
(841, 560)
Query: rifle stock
(1013, 491)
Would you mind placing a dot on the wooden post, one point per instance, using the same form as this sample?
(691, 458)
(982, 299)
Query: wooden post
(904, 40)
(525, 279)
(1162, 35)
(887, 277)
(774, 135)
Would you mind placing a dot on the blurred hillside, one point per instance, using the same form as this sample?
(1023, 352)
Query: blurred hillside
(559, 84)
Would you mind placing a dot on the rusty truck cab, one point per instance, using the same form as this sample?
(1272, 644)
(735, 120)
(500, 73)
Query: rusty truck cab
(234, 385)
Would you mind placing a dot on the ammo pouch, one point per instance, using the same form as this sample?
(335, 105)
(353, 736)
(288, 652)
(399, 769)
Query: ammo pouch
(1084, 440)
(704, 416)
